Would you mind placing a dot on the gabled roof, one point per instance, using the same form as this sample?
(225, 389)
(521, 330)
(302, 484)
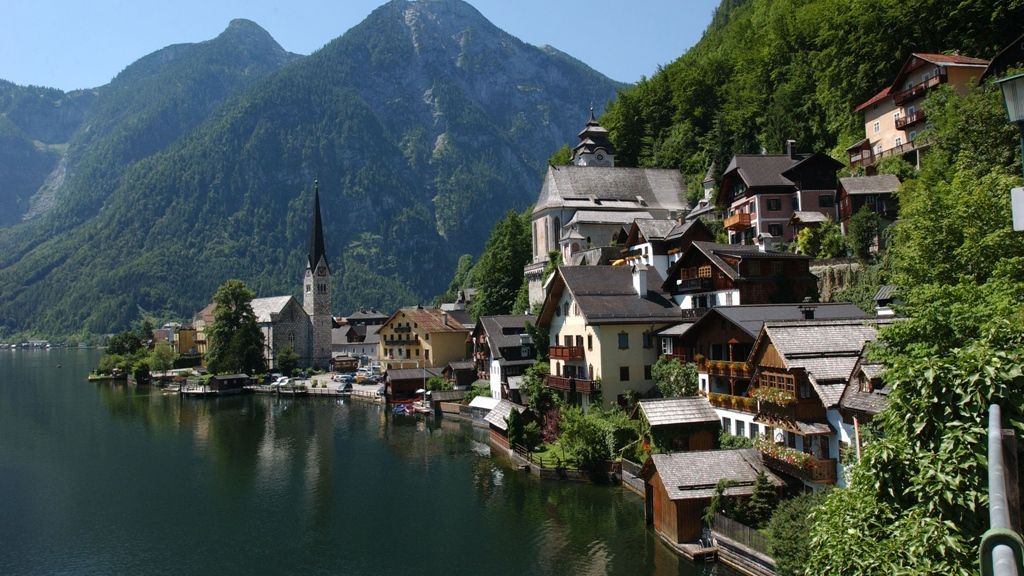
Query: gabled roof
(714, 253)
(364, 315)
(879, 184)
(808, 217)
(693, 475)
(612, 188)
(885, 292)
(605, 295)
(673, 411)
(751, 317)
(461, 365)
(412, 373)
(881, 95)
(826, 350)
(653, 229)
(854, 399)
(430, 320)
(688, 228)
(485, 402)
(1012, 55)
(263, 308)
(918, 59)
(504, 331)
(497, 417)
(762, 170)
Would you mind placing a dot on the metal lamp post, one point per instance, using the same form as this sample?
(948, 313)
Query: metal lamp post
(1013, 96)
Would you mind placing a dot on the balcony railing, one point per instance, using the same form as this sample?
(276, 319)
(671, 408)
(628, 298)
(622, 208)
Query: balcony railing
(401, 329)
(910, 119)
(918, 89)
(695, 285)
(819, 471)
(570, 384)
(401, 342)
(738, 221)
(868, 158)
(565, 352)
(802, 410)
(725, 368)
(730, 402)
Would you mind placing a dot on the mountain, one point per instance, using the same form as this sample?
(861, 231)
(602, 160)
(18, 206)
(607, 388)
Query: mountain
(423, 124)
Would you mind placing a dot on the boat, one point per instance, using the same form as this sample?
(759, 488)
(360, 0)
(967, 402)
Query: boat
(422, 407)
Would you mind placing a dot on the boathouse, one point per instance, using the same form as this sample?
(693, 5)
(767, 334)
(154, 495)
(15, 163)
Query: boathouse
(497, 420)
(681, 424)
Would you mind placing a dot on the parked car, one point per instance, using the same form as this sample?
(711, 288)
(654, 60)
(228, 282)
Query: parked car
(345, 387)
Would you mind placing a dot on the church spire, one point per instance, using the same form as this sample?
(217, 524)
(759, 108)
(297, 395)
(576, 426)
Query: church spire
(316, 236)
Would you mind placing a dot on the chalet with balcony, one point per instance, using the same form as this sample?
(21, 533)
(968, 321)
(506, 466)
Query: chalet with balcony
(763, 190)
(502, 348)
(878, 193)
(679, 486)
(601, 320)
(894, 116)
(657, 244)
(720, 343)
(419, 337)
(709, 275)
(801, 369)
(681, 424)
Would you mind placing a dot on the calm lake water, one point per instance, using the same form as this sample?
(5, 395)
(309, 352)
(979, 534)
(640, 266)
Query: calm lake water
(108, 479)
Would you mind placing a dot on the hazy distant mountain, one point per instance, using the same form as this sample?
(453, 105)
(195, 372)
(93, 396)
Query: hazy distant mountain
(424, 124)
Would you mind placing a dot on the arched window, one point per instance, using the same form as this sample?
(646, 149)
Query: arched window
(558, 231)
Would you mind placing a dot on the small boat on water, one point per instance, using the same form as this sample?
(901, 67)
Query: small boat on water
(422, 407)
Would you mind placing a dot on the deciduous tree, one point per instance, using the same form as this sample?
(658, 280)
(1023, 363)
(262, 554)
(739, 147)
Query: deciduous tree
(236, 343)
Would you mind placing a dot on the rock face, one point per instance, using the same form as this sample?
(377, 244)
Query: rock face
(424, 124)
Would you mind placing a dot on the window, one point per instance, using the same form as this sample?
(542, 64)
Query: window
(647, 340)
(912, 136)
(623, 341)
(826, 201)
(704, 271)
(741, 428)
(575, 309)
(666, 345)
(774, 204)
(426, 355)
(417, 352)
(647, 371)
(899, 141)
(911, 110)
(726, 424)
(579, 341)
(878, 149)
(896, 116)
(754, 430)
(309, 288)
(877, 126)
(524, 352)
(624, 373)
(728, 298)
(565, 309)
(590, 342)
(775, 229)
(567, 340)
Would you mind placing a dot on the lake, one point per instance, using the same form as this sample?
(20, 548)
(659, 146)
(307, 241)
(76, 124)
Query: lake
(111, 479)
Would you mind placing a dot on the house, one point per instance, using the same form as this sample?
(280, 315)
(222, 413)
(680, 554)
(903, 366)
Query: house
(658, 244)
(762, 191)
(720, 342)
(680, 485)
(225, 384)
(202, 321)
(480, 406)
(344, 363)
(710, 275)
(497, 421)
(885, 298)
(502, 348)
(878, 193)
(681, 424)
(801, 370)
(366, 317)
(421, 337)
(866, 394)
(893, 117)
(361, 341)
(609, 198)
(601, 320)
(461, 373)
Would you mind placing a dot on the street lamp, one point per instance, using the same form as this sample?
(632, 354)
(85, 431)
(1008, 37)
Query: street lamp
(1013, 95)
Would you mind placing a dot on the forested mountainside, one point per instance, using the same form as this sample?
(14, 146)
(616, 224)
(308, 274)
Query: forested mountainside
(767, 71)
(423, 124)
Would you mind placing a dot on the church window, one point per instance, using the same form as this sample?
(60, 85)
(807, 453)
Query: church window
(309, 288)
(291, 336)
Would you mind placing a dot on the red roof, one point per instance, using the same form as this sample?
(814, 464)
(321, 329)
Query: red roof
(885, 92)
(912, 63)
(951, 59)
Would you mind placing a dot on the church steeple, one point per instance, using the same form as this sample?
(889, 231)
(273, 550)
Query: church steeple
(316, 236)
(594, 149)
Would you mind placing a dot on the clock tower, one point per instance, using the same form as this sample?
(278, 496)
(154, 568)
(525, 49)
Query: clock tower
(594, 149)
(316, 290)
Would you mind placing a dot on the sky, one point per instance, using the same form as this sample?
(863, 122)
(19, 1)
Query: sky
(71, 44)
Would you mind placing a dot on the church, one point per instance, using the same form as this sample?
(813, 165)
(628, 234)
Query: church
(305, 328)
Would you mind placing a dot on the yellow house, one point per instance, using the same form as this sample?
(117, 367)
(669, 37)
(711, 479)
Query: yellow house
(893, 117)
(422, 338)
(601, 321)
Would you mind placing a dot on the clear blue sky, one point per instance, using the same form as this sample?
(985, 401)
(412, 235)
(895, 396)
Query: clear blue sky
(71, 44)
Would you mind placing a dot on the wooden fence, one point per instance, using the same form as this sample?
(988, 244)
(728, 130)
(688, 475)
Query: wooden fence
(743, 534)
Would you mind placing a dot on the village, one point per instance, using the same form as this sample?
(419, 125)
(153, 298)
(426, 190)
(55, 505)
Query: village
(695, 337)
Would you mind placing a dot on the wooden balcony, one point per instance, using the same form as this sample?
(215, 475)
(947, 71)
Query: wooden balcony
(570, 384)
(802, 410)
(725, 368)
(738, 221)
(816, 470)
(565, 352)
(695, 285)
(402, 329)
(867, 158)
(904, 121)
(402, 342)
(917, 90)
(730, 402)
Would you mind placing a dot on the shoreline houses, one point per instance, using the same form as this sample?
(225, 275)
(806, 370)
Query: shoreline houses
(503, 350)
(305, 329)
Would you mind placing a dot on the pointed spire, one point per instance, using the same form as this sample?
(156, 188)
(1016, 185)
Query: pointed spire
(316, 236)
(593, 119)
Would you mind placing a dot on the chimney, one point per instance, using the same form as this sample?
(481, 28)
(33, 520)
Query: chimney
(791, 148)
(640, 280)
(807, 309)
(444, 318)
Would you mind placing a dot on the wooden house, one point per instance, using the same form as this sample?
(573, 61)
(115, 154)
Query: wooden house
(681, 424)
(679, 486)
(497, 420)
(225, 384)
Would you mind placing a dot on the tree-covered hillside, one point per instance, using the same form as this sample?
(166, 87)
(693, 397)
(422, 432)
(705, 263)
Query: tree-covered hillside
(423, 124)
(771, 70)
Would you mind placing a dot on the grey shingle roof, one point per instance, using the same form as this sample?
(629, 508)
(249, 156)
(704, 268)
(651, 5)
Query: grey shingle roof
(412, 373)
(809, 217)
(670, 411)
(880, 184)
(759, 170)
(503, 331)
(614, 187)
(264, 307)
(605, 294)
(887, 292)
(653, 229)
(606, 217)
(691, 475)
(497, 416)
(867, 402)
(750, 317)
